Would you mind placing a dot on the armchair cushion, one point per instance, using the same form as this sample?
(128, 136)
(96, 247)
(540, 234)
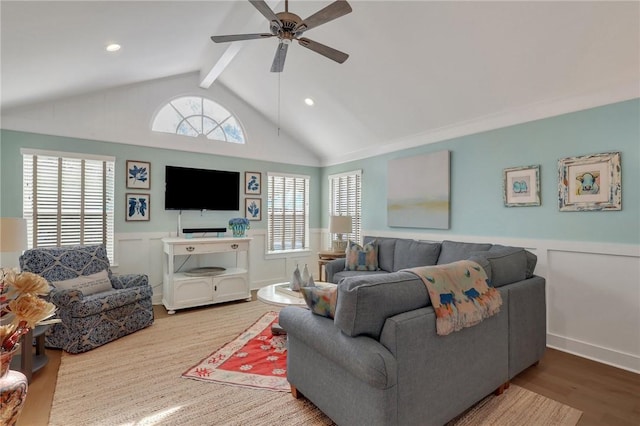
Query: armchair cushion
(87, 284)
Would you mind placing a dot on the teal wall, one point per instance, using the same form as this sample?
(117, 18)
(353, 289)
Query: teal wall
(477, 162)
(161, 220)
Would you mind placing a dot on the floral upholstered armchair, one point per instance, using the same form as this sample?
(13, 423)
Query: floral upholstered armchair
(95, 306)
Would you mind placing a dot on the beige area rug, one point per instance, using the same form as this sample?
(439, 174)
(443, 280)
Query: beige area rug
(136, 380)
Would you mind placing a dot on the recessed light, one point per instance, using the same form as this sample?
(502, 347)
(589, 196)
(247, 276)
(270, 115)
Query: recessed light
(309, 101)
(113, 47)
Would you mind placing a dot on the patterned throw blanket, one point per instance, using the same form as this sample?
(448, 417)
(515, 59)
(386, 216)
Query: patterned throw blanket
(459, 294)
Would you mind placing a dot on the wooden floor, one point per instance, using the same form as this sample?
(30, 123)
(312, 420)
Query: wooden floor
(606, 395)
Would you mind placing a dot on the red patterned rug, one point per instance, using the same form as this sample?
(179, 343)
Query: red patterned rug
(254, 359)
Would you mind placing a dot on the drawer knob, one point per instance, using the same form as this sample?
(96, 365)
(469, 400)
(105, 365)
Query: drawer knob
(234, 246)
(190, 248)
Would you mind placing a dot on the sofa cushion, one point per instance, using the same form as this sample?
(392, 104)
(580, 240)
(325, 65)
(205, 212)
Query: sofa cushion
(532, 259)
(339, 276)
(386, 250)
(507, 265)
(366, 301)
(321, 300)
(452, 251)
(361, 258)
(87, 284)
(412, 253)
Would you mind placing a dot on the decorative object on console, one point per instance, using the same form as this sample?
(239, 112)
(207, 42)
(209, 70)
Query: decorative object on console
(138, 174)
(590, 182)
(340, 225)
(296, 280)
(521, 186)
(253, 208)
(418, 191)
(252, 183)
(138, 207)
(239, 226)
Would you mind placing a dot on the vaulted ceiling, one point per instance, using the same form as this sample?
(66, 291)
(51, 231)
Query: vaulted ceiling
(432, 69)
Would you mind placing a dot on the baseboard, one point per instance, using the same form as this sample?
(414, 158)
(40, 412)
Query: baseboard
(625, 361)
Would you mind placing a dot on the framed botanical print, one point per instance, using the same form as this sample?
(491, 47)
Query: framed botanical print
(138, 174)
(591, 182)
(521, 186)
(253, 208)
(252, 183)
(138, 207)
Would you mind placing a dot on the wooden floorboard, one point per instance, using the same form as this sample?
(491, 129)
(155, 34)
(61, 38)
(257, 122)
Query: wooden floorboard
(606, 395)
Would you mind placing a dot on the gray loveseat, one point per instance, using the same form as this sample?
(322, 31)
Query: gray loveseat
(380, 361)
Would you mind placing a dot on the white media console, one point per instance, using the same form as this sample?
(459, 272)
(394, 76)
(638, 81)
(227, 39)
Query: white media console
(181, 288)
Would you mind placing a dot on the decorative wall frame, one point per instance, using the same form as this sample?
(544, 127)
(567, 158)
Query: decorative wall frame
(590, 182)
(521, 186)
(138, 174)
(252, 183)
(138, 207)
(253, 208)
(418, 191)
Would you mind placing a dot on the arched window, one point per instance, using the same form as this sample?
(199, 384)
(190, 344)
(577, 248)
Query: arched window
(194, 116)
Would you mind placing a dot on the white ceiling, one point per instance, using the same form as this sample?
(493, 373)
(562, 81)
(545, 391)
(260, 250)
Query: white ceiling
(415, 68)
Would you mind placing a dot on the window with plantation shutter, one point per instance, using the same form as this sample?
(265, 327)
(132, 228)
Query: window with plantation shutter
(68, 199)
(345, 199)
(287, 212)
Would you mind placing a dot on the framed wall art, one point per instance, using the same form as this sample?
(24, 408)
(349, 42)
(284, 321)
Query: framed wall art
(252, 183)
(138, 174)
(590, 182)
(521, 186)
(253, 208)
(138, 207)
(418, 191)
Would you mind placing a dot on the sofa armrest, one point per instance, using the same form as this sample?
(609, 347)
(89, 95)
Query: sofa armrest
(362, 356)
(64, 298)
(129, 281)
(331, 267)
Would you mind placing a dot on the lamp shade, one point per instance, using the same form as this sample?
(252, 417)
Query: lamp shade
(13, 234)
(340, 224)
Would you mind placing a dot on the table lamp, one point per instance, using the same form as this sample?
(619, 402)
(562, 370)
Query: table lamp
(13, 240)
(340, 225)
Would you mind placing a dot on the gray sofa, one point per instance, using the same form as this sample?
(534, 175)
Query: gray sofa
(380, 361)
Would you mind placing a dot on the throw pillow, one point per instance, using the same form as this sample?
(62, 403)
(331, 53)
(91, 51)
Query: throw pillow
(362, 258)
(87, 284)
(321, 300)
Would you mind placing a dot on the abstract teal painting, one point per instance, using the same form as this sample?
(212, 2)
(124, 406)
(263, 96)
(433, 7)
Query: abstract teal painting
(418, 191)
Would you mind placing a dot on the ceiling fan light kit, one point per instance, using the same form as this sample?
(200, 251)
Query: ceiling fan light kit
(288, 26)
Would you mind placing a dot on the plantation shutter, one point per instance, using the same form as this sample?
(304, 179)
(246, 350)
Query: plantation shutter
(68, 199)
(287, 212)
(345, 199)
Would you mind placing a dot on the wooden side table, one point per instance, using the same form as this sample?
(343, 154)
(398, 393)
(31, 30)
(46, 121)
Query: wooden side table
(325, 257)
(30, 361)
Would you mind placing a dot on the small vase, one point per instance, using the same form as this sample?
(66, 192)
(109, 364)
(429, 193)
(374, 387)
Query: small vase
(238, 229)
(13, 390)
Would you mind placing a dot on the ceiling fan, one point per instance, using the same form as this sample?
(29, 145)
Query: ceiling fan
(288, 26)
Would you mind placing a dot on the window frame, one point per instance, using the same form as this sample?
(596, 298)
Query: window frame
(348, 204)
(306, 243)
(89, 198)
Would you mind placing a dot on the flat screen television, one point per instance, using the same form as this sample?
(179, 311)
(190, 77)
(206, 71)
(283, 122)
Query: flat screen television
(201, 189)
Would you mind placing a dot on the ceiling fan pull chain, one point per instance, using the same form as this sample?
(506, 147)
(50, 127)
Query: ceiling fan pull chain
(279, 74)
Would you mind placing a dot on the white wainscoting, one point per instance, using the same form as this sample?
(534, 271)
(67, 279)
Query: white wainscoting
(593, 290)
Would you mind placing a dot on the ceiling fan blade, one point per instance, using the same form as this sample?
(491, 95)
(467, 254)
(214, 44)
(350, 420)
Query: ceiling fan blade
(327, 51)
(333, 11)
(278, 59)
(267, 12)
(239, 37)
